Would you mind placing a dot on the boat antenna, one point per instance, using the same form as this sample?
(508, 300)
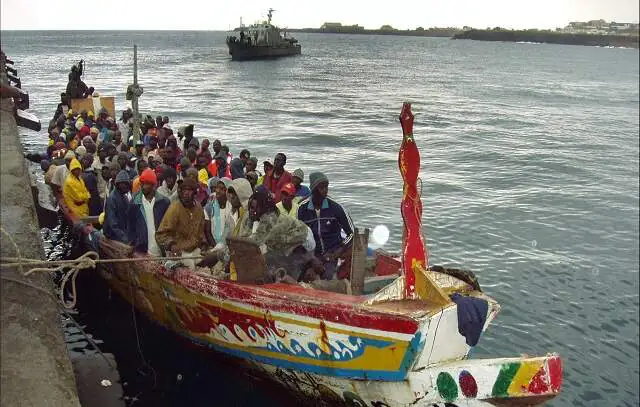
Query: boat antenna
(269, 15)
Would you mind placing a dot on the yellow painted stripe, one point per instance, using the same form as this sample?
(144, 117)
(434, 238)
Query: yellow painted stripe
(521, 380)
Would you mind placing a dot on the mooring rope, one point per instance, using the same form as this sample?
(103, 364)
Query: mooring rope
(69, 268)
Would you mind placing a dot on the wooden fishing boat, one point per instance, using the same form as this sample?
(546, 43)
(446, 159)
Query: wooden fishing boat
(405, 345)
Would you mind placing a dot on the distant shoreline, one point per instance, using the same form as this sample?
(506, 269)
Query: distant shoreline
(534, 36)
(406, 33)
(550, 37)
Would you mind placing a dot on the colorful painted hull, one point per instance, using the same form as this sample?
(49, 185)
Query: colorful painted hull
(337, 347)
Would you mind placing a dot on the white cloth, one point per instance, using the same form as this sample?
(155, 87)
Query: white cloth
(225, 219)
(60, 175)
(152, 246)
(310, 242)
(190, 263)
(171, 194)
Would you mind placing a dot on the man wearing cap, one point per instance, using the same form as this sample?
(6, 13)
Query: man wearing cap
(327, 219)
(278, 177)
(145, 215)
(116, 226)
(302, 191)
(287, 206)
(180, 232)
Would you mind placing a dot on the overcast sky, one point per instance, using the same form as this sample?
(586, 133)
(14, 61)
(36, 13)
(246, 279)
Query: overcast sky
(222, 15)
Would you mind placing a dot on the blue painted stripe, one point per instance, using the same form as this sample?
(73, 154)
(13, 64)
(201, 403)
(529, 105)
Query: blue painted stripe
(386, 375)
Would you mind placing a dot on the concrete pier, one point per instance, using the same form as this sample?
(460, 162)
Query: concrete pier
(35, 368)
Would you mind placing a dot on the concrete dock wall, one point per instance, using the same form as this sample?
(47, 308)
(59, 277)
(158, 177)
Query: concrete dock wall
(35, 368)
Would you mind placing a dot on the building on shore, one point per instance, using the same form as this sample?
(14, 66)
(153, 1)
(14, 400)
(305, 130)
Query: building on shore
(601, 27)
(339, 28)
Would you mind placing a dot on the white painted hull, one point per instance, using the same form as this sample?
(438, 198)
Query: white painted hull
(432, 386)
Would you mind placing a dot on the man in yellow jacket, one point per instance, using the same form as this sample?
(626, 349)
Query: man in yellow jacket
(75, 193)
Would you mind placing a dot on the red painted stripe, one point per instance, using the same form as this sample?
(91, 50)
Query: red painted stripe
(555, 372)
(295, 300)
(538, 384)
(285, 298)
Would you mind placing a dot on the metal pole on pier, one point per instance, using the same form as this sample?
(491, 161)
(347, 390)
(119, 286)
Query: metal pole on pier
(133, 93)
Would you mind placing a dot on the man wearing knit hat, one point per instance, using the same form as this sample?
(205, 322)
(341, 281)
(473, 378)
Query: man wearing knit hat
(327, 219)
(180, 232)
(302, 191)
(116, 209)
(147, 210)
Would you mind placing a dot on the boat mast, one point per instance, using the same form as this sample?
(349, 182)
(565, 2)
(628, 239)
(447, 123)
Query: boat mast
(136, 92)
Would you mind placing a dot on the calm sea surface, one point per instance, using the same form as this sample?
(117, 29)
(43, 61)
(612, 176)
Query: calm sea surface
(529, 162)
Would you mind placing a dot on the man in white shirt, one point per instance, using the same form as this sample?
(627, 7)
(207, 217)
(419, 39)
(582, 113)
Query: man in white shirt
(147, 210)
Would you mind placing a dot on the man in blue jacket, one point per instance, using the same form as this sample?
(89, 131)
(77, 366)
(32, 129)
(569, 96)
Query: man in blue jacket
(117, 209)
(327, 219)
(145, 214)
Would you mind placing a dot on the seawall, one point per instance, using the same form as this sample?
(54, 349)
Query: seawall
(35, 368)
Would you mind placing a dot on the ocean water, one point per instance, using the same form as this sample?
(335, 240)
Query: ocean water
(529, 162)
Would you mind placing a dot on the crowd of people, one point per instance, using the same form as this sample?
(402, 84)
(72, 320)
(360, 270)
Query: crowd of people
(170, 194)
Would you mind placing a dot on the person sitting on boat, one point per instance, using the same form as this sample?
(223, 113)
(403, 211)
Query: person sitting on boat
(252, 177)
(275, 180)
(252, 165)
(180, 232)
(169, 187)
(286, 242)
(90, 179)
(202, 195)
(61, 172)
(146, 212)
(327, 219)
(123, 122)
(287, 206)
(204, 147)
(302, 191)
(62, 109)
(116, 209)
(268, 169)
(141, 165)
(75, 193)
(238, 164)
(223, 169)
(216, 146)
(217, 215)
(225, 150)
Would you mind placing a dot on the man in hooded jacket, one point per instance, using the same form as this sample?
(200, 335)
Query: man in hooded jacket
(117, 209)
(75, 193)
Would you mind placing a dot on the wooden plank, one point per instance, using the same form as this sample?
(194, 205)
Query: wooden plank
(88, 104)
